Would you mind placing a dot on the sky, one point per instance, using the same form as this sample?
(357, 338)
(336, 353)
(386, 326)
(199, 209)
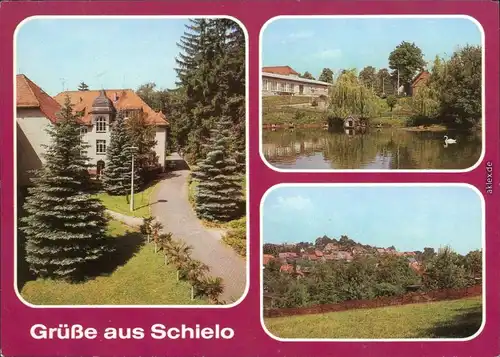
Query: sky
(110, 53)
(410, 218)
(313, 44)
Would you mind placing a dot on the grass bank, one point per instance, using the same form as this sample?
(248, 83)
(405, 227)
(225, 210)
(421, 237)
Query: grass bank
(444, 319)
(297, 116)
(134, 275)
(121, 204)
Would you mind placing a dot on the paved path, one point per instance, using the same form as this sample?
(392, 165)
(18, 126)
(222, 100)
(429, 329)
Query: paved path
(171, 207)
(128, 220)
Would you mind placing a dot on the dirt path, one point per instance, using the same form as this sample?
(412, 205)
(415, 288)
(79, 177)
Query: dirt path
(171, 207)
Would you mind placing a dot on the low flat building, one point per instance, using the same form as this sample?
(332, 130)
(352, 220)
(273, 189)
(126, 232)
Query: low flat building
(284, 80)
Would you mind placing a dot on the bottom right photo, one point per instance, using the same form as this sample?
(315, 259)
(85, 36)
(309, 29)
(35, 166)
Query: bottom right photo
(372, 261)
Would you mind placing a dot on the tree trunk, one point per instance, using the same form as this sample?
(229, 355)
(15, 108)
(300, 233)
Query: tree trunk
(165, 259)
(156, 248)
(192, 292)
(177, 275)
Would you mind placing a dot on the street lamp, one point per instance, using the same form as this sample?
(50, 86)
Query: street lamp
(132, 149)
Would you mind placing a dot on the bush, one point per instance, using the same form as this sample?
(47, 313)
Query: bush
(418, 120)
(335, 122)
(236, 236)
(314, 103)
(386, 289)
(299, 116)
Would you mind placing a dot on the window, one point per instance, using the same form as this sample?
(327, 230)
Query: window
(100, 147)
(274, 85)
(100, 125)
(83, 131)
(288, 87)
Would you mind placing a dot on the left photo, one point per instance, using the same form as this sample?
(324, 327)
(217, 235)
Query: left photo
(130, 155)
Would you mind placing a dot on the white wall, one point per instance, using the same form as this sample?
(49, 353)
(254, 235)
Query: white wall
(31, 136)
(271, 86)
(90, 138)
(34, 124)
(161, 142)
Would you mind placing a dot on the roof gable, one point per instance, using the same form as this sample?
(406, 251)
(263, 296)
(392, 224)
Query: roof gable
(122, 99)
(29, 95)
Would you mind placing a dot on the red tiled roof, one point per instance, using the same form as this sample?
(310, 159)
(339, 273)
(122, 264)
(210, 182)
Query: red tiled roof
(318, 253)
(122, 99)
(288, 268)
(267, 258)
(422, 76)
(29, 95)
(284, 70)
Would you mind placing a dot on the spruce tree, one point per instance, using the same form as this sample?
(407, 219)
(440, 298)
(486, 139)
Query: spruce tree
(219, 196)
(211, 72)
(64, 225)
(117, 176)
(83, 87)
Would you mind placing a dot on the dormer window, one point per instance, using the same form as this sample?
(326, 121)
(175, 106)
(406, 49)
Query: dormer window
(100, 124)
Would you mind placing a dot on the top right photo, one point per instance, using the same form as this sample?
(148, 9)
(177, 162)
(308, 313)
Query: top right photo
(372, 93)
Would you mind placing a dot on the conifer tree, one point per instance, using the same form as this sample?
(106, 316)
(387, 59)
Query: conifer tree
(142, 136)
(64, 225)
(211, 72)
(83, 87)
(219, 196)
(117, 176)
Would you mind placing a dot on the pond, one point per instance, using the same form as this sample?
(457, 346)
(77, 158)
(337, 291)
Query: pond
(375, 149)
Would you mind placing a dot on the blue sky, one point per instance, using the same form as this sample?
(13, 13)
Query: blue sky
(110, 53)
(313, 44)
(410, 218)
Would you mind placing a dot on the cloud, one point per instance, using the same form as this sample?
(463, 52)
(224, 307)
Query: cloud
(298, 203)
(301, 35)
(331, 53)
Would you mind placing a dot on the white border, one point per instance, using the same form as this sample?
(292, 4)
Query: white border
(247, 152)
(330, 185)
(483, 100)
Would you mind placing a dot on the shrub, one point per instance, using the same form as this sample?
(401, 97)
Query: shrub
(387, 289)
(236, 236)
(299, 116)
(314, 103)
(418, 120)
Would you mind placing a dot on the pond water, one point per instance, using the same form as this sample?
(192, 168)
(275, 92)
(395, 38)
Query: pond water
(375, 149)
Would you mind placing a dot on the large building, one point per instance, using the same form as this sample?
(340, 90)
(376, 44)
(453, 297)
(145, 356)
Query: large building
(36, 111)
(284, 80)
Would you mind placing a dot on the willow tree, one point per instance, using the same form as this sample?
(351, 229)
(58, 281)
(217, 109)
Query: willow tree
(350, 97)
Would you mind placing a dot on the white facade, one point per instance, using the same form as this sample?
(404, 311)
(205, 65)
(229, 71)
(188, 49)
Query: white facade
(275, 84)
(32, 136)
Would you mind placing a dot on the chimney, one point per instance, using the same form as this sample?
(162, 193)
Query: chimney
(116, 97)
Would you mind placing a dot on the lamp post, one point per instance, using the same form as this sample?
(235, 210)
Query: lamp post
(132, 149)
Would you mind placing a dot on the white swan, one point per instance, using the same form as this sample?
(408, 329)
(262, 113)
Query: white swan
(449, 141)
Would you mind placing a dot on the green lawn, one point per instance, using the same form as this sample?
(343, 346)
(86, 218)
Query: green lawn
(121, 204)
(276, 100)
(134, 276)
(444, 319)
